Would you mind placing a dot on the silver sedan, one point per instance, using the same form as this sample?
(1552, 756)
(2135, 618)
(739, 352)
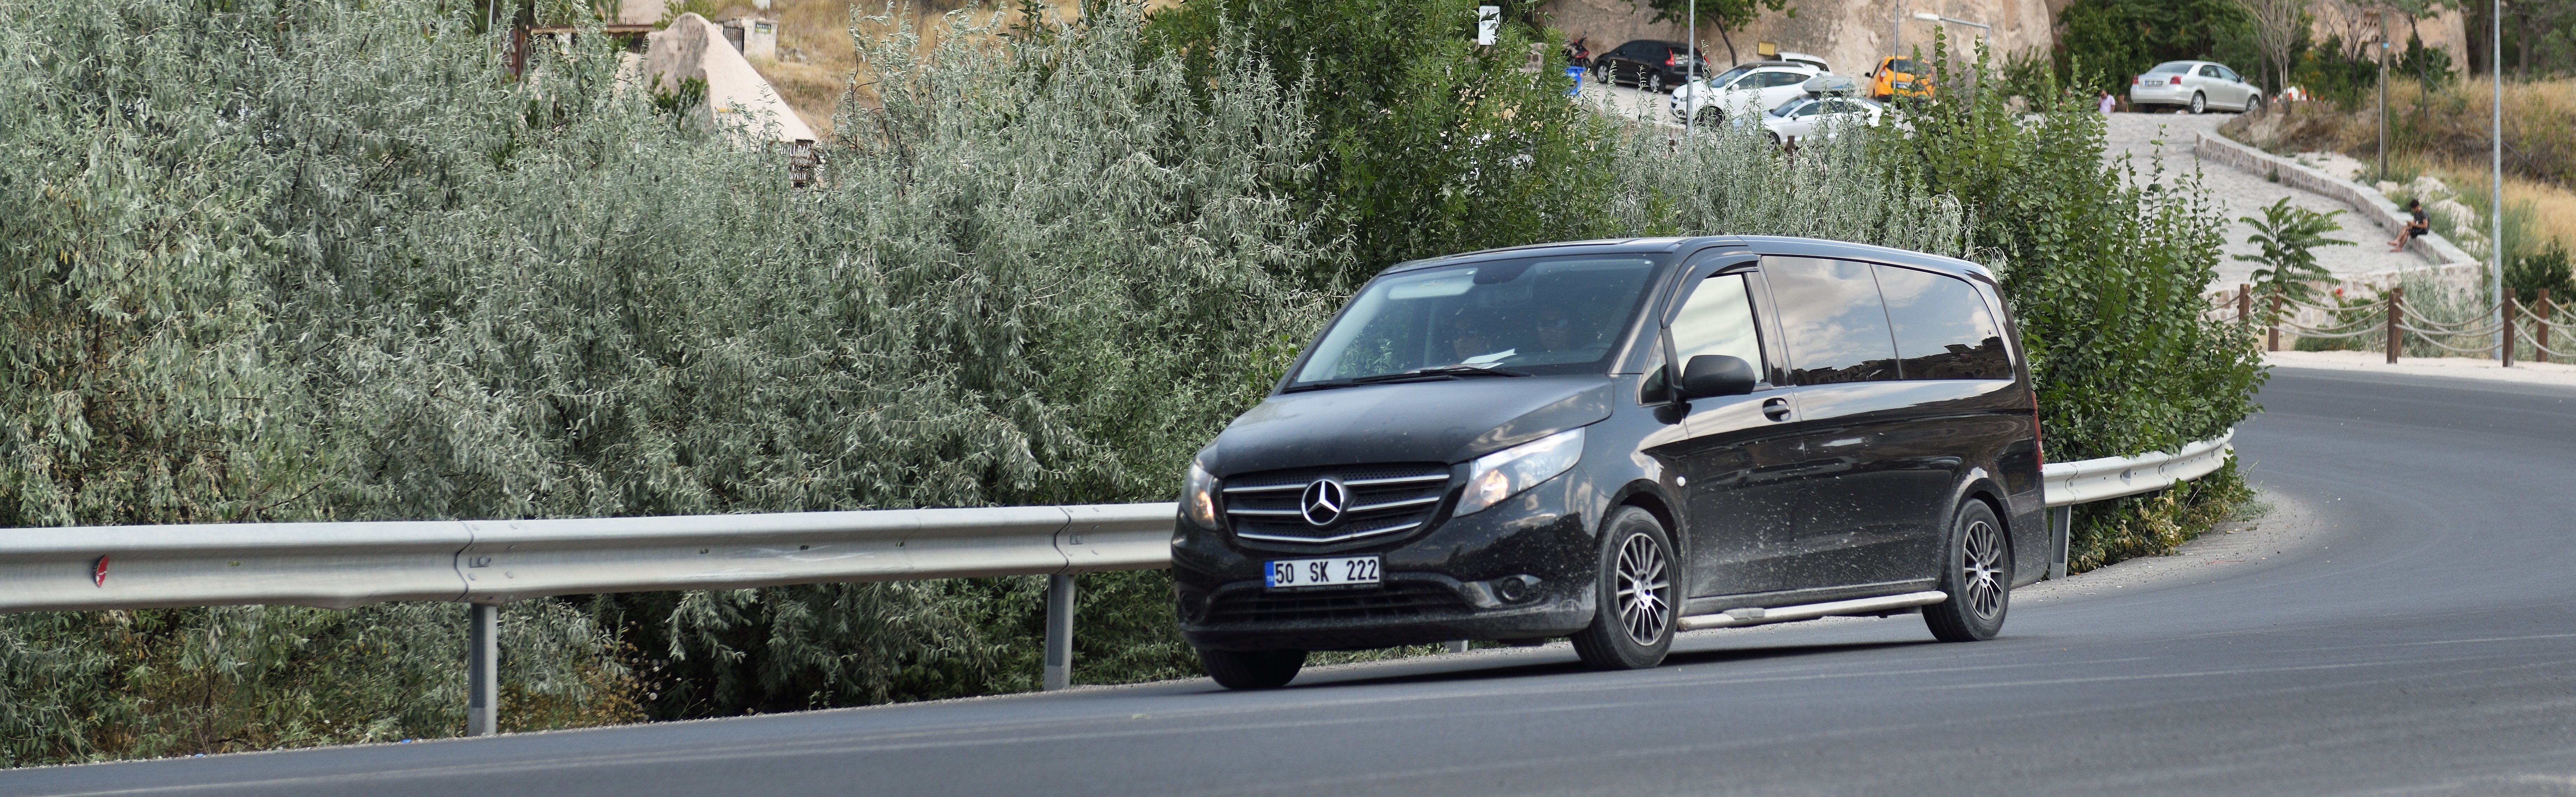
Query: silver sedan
(2194, 85)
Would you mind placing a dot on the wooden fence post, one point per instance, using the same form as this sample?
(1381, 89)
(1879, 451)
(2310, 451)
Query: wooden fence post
(2505, 332)
(2273, 341)
(2244, 303)
(2541, 312)
(2396, 338)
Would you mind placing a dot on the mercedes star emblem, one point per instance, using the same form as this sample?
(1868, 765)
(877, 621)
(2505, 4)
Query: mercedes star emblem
(1323, 501)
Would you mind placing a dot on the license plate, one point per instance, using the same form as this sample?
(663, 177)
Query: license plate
(1334, 572)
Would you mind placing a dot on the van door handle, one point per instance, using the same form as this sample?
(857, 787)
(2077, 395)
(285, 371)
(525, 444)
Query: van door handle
(1776, 409)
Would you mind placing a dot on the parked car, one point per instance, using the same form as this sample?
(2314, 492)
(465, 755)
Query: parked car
(1811, 116)
(1802, 58)
(1898, 77)
(1754, 86)
(1650, 63)
(2196, 86)
(1615, 441)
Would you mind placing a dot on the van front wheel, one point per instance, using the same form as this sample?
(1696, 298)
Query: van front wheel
(1976, 573)
(1632, 626)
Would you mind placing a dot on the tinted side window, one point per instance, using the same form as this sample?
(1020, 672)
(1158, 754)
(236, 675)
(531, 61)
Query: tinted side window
(1943, 330)
(1785, 79)
(1718, 319)
(1832, 317)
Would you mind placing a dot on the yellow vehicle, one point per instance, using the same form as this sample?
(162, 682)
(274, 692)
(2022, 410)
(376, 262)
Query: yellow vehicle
(1898, 76)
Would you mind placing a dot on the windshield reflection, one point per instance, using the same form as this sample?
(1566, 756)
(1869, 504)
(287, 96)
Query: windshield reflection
(1535, 316)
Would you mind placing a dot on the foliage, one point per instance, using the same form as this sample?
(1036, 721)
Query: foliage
(2122, 38)
(1425, 143)
(1726, 15)
(2104, 267)
(2428, 65)
(2289, 236)
(2543, 266)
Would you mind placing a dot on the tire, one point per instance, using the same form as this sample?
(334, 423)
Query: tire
(2254, 103)
(1655, 82)
(1601, 75)
(1711, 117)
(1633, 622)
(1252, 669)
(1976, 573)
(2199, 104)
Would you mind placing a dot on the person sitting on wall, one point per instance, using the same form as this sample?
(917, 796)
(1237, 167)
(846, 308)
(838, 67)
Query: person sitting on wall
(2416, 227)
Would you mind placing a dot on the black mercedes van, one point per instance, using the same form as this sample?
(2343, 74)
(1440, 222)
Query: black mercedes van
(1617, 441)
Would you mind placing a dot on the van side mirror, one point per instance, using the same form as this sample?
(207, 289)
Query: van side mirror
(1710, 375)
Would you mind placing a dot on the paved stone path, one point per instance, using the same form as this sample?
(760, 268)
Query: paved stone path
(2239, 194)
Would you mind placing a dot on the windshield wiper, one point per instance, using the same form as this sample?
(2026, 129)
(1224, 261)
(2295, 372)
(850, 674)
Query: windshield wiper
(1418, 374)
(1442, 372)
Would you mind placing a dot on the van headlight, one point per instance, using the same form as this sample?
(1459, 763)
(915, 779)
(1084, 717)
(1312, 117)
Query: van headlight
(1503, 474)
(1198, 496)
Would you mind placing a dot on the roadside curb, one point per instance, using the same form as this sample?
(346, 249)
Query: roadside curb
(2371, 203)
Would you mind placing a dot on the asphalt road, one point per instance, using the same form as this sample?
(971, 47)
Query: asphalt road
(2426, 644)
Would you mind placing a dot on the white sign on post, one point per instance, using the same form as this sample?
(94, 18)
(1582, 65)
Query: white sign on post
(1489, 21)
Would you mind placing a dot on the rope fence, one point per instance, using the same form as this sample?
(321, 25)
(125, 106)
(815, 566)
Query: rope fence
(2542, 330)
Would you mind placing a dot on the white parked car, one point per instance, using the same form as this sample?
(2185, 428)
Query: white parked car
(1820, 117)
(2195, 85)
(1803, 58)
(1749, 87)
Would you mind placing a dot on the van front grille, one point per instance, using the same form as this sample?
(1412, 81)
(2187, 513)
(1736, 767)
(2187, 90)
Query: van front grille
(1377, 500)
(1394, 600)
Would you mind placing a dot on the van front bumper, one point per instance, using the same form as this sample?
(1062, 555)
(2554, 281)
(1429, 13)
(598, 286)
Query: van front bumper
(1436, 585)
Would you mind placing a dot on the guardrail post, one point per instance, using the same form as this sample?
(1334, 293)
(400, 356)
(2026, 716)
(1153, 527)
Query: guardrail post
(2061, 530)
(1059, 632)
(2396, 338)
(1457, 646)
(482, 670)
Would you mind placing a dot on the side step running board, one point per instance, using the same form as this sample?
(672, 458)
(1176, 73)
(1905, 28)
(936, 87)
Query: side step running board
(1736, 618)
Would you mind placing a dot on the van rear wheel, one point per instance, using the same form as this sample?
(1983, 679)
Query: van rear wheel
(1253, 669)
(1632, 622)
(1976, 573)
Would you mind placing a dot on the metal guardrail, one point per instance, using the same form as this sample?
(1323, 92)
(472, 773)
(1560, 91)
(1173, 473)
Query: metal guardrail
(2087, 480)
(486, 563)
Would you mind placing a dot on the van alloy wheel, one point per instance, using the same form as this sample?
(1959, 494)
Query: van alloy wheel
(1976, 574)
(1645, 590)
(1632, 622)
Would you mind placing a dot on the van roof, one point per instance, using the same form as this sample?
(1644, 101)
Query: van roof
(1766, 244)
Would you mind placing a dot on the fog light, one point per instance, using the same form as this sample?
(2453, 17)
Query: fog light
(1514, 588)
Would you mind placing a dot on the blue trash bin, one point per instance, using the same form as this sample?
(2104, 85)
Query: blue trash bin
(1576, 73)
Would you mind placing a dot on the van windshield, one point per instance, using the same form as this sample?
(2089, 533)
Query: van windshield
(1532, 316)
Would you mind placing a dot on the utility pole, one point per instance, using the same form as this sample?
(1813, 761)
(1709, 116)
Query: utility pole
(1690, 77)
(1896, 32)
(2378, 15)
(2495, 179)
